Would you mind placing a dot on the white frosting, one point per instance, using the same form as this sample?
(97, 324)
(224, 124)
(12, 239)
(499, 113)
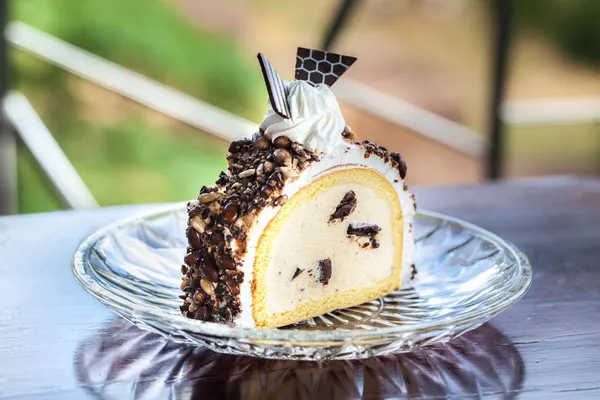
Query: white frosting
(315, 121)
(345, 156)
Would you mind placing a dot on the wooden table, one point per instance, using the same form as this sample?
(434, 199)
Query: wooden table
(57, 342)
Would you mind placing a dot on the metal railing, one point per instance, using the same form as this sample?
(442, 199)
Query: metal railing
(55, 165)
(8, 146)
(130, 84)
(69, 186)
(552, 111)
(417, 119)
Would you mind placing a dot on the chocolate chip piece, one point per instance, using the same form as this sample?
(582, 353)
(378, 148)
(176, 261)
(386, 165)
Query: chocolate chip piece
(374, 243)
(195, 280)
(413, 271)
(325, 271)
(345, 208)
(276, 176)
(222, 179)
(228, 262)
(282, 157)
(401, 163)
(237, 145)
(233, 286)
(221, 289)
(192, 205)
(199, 296)
(184, 269)
(298, 272)
(202, 313)
(298, 149)
(224, 314)
(260, 142)
(348, 134)
(217, 237)
(191, 259)
(363, 229)
(266, 191)
(230, 213)
(209, 270)
(282, 142)
(268, 167)
(193, 238)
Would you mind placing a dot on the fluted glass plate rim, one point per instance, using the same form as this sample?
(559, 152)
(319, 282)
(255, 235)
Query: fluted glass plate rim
(155, 315)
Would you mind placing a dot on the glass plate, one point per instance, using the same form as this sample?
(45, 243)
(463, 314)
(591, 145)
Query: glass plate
(466, 275)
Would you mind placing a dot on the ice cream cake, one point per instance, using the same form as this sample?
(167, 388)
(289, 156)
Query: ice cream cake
(305, 220)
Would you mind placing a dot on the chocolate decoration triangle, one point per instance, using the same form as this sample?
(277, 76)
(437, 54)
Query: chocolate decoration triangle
(276, 88)
(317, 66)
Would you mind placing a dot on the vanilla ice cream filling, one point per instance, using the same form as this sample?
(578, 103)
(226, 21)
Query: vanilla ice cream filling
(345, 156)
(308, 228)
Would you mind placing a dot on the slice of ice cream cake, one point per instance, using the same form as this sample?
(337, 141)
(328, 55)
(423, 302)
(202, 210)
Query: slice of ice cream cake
(305, 220)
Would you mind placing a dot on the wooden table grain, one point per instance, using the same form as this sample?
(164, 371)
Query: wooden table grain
(57, 342)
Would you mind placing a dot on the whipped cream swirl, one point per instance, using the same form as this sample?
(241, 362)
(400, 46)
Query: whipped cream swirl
(316, 121)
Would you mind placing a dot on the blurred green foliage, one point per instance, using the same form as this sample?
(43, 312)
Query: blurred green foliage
(574, 25)
(153, 37)
(128, 158)
(127, 163)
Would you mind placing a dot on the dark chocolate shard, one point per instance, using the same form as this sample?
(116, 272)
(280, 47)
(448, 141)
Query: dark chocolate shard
(345, 208)
(317, 66)
(325, 271)
(298, 272)
(401, 164)
(362, 229)
(275, 87)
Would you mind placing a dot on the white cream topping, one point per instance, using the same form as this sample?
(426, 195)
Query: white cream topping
(315, 121)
